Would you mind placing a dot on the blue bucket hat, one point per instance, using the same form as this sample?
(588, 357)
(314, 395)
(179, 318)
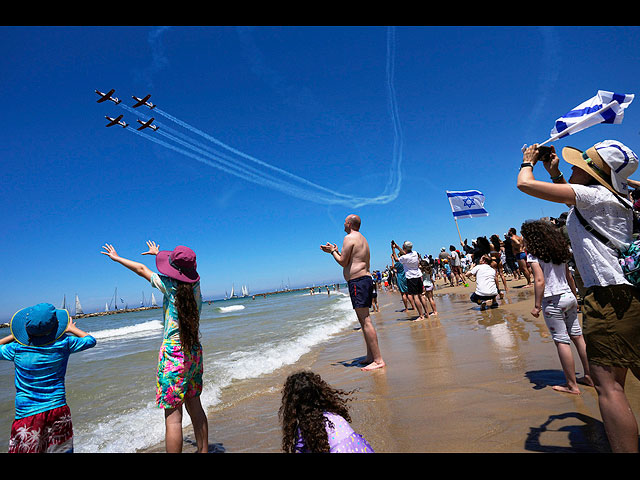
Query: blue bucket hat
(39, 325)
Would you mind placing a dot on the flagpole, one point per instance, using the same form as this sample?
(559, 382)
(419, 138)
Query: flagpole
(579, 124)
(456, 220)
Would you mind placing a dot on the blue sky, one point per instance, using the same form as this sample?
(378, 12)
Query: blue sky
(317, 103)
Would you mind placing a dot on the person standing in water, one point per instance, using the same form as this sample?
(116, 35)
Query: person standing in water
(180, 365)
(354, 260)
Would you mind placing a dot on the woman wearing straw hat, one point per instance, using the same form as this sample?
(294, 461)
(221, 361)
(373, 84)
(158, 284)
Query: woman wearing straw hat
(597, 192)
(179, 378)
(40, 349)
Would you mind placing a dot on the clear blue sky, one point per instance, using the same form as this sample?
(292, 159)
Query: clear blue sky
(315, 102)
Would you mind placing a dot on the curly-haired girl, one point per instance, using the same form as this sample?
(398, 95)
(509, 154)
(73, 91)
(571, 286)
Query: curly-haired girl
(315, 417)
(555, 295)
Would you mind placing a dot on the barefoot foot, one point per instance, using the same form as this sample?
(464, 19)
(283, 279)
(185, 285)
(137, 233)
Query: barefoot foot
(566, 389)
(373, 366)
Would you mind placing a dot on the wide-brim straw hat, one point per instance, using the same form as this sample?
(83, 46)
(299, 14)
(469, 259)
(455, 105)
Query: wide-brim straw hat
(39, 325)
(610, 162)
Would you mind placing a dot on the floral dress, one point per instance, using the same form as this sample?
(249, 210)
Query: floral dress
(179, 373)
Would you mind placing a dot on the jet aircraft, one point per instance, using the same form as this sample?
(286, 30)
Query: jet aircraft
(147, 124)
(143, 101)
(116, 121)
(107, 96)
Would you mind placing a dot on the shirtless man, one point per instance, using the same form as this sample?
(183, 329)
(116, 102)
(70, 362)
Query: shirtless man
(354, 260)
(521, 255)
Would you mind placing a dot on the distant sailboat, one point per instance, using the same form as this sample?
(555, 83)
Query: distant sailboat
(232, 294)
(78, 307)
(245, 291)
(64, 303)
(153, 300)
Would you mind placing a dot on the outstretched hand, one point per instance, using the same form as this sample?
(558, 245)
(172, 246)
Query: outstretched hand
(153, 248)
(110, 251)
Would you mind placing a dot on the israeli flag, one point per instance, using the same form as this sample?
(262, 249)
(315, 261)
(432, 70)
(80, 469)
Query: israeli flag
(605, 107)
(467, 204)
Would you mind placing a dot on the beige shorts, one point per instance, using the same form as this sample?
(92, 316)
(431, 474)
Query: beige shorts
(611, 325)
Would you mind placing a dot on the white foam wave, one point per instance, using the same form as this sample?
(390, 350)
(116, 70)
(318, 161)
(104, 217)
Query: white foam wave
(131, 331)
(231, 308)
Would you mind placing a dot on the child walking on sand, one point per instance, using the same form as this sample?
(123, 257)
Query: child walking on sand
(40, 351)
(179, 378)
(555, 297)
(427, 281)
(315, 418)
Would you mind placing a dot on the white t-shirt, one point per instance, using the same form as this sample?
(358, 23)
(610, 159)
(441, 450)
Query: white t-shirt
(555, 277)
(411, 264)
(455, 259)
(485, 280)
(597, 263)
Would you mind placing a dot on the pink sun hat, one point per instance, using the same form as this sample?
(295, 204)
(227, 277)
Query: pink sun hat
(179, 264)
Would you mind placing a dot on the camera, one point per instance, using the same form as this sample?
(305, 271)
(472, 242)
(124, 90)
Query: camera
(544, 153)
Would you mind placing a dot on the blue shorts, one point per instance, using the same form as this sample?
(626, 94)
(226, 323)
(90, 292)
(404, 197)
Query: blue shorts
(361, 291)
(521, 256)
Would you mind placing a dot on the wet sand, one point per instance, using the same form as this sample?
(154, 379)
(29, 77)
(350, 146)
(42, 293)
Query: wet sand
(464, 381)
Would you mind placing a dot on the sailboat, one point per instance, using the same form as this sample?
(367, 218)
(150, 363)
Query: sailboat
(153, 300)
(64, 303)
(78, 306)
(106, 307)
(233, 295)
(245, 291)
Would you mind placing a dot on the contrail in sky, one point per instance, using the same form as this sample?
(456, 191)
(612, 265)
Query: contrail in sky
(224, 157)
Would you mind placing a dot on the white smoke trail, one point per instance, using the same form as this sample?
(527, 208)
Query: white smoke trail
(235, 162)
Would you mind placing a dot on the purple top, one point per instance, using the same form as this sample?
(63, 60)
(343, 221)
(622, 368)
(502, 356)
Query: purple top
(342, 438)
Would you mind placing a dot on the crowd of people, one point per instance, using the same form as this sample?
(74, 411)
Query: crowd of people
(577, 261)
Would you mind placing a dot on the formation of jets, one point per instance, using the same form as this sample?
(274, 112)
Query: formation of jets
(118, 120)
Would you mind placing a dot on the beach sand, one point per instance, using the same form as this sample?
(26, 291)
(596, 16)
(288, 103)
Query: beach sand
(464, 381)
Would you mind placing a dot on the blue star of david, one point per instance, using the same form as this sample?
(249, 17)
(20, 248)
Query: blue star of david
(469, 202)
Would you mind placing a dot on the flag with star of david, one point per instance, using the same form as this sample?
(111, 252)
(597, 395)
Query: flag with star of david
(467, 204)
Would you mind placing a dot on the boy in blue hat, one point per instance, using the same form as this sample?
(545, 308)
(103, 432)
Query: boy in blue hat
(40, 351)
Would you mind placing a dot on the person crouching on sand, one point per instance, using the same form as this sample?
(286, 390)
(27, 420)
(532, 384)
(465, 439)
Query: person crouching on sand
(555, 296)
(179, 379)
(487, 287)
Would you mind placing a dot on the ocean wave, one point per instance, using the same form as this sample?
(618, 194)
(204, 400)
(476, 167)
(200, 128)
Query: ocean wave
(138, 330)
(230, 308)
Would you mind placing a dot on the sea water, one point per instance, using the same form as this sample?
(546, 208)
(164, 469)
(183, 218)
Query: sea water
(111, 387)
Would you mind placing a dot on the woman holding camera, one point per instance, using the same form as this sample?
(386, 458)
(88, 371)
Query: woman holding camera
(598, 196)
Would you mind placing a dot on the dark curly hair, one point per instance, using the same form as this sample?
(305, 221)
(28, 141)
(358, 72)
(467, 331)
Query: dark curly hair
(545, 241)
(483, 246)
(305, 397)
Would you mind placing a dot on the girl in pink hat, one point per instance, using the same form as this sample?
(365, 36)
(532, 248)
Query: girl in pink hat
(179, 379)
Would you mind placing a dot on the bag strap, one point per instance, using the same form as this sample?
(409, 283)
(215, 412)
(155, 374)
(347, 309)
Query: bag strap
(593, 231)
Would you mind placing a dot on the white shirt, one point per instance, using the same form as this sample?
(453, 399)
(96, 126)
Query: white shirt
(597, 263)
(485, 280)
(555, 277)
(411, 264)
